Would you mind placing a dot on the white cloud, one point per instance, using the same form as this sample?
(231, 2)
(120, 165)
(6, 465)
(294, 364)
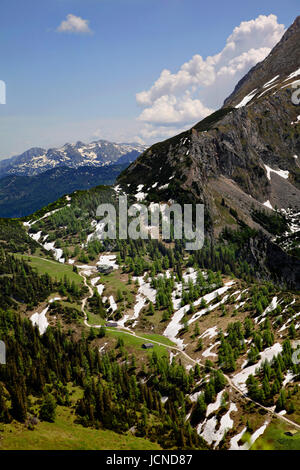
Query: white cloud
(152, 133)
(74, 24)
(169, 110)
(201, 85)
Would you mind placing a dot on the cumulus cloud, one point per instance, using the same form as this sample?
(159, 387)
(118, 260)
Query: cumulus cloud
(201, 85)
(74, 24)
(168, 109)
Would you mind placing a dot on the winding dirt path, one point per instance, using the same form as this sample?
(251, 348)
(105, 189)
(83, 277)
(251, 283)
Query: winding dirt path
(127, 331)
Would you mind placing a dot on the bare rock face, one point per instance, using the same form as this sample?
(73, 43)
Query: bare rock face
(282, 60)
(243, 159)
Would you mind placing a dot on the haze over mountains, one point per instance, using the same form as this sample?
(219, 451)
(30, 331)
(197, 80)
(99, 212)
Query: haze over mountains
(23, 195)
(96, 154)
(37, 177)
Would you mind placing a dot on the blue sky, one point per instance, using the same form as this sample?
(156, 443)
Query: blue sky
(64, 86)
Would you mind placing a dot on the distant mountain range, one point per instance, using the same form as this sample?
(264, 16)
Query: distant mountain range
(38, 177)
(96, 154)
(23, 195)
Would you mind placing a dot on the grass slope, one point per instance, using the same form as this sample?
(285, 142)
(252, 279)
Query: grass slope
(53, 268)
(64, 434)
(275, 438)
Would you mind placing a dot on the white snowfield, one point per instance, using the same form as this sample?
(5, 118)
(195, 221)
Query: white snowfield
(289, 84)
(164, 186)
(293, 220)
(123, 320)
(86, 270)
(266, 91)
(268, 204)
(172, 355)
(268, 354)
(246, 99)
(210, 332)
(36, 236)
(40, 320)
(288, 378)
(145, 293)
(58, 252)
(208, 298)
(113, 304)
(237, 306)
(266, 85)
(269, 309)
(240, 295)
(234, 441)
(208, 428)
(29, 224)
(117, 188)
(100, 288)
(54, 299)
(175, 324)
(166, 274)
(283, 173)
(98, 233)
(289, 321)
(190, 275)
(140, 195)
(212, 407)
(102, 348)
(109, 260)
(95, 280)
(48, 246)
(208, 352)
(292, 75)
(194, 396)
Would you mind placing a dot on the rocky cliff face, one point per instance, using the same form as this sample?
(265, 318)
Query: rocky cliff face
(283, 59)
(243, 159)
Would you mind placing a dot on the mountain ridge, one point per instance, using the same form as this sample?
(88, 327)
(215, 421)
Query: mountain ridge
(242, 160)
(23, 195)
(95, 154)
(270, 67)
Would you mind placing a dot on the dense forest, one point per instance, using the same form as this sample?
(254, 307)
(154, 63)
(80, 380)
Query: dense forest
(115, 397)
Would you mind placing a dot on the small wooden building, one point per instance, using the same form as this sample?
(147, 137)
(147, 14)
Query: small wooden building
(147, 345)
(104, 268)
(111, 324)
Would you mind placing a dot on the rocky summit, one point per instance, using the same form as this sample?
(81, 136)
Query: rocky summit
(96, 154)
(242, 161)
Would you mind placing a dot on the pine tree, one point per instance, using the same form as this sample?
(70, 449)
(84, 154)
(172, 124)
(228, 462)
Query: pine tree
(199, 410)
(48, 408)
